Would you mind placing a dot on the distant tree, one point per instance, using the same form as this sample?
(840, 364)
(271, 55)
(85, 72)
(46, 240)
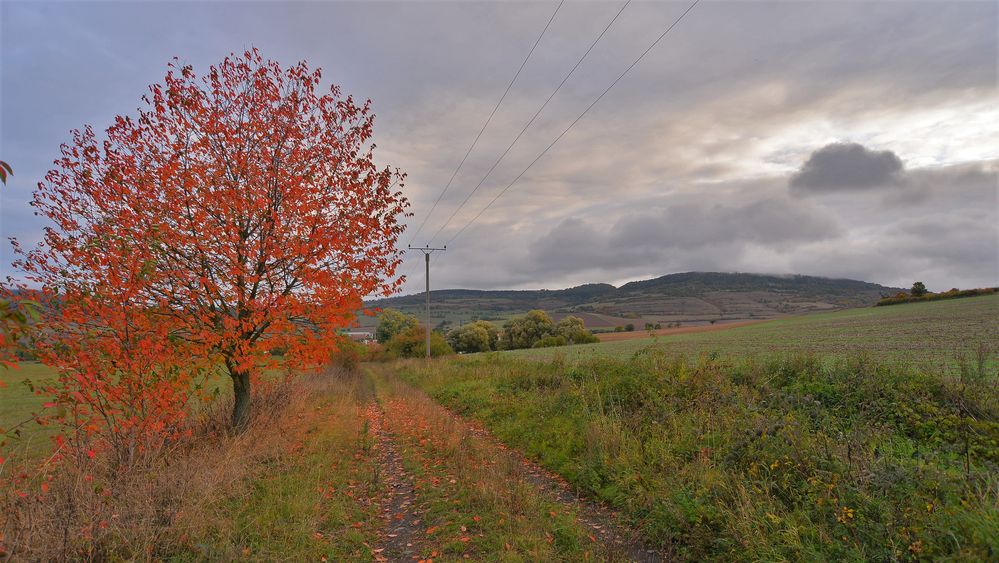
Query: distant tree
(523, 332)
(411, 343)
(491, 330)
(918, 289)
(574, 331)
(658, 326)
(551, 341)
(392, 322)
(619, 328)
(479, 336)
(649, 326)
(630, 327)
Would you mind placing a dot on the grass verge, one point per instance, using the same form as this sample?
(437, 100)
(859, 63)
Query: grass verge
(788, 458)
(296, 485)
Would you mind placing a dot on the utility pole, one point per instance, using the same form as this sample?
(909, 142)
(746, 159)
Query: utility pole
(427, 251)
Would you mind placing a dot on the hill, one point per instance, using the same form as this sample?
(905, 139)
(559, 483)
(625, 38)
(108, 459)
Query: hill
(686, 298)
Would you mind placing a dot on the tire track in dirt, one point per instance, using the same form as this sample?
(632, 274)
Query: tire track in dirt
(400, 516)
(602, 522)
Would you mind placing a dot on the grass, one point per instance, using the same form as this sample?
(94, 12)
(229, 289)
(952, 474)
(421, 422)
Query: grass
(786, 458)
(314, 502)
(475, 502)
(295, 485)
(929, 335)
(17, 403)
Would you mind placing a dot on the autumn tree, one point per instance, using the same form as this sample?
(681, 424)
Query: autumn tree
(236, 214)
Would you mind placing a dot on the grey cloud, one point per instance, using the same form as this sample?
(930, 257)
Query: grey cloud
(847, 166)
(772, 222)
(684, 165)
(706, 235)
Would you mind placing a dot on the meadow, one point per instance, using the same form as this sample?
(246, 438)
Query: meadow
(931, 335)
(866, 434)
(782, 458)
(18, 401)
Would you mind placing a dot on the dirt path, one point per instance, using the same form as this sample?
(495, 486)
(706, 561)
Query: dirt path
(403, 515)
(399, 514)
(636, 334)
(602, 522)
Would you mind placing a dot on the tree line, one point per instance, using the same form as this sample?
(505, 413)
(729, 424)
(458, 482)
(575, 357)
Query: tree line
(402, 336)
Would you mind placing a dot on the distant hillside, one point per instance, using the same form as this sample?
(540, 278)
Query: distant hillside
(688, 298)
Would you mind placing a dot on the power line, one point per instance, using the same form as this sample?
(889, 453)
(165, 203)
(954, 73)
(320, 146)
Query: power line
(533, 118)
(486, 124)
(566, 130)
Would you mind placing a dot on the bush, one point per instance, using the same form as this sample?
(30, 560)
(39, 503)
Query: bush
(550, 341)
(348, 354)
(412, 344)
(574, 331)
(391, 323)
(479, 336)
(525, 331)
(954, 293)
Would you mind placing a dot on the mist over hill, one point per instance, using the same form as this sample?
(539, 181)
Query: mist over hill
(686, 298)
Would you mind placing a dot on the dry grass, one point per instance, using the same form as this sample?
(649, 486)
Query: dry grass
(88, 509)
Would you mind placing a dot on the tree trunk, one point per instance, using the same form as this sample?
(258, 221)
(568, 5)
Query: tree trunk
(241, 402)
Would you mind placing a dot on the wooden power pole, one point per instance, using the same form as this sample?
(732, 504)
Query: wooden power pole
(427, 251)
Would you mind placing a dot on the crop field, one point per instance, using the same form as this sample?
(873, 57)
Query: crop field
(929, 334)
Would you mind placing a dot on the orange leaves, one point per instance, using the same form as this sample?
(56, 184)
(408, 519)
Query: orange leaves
(189, 236)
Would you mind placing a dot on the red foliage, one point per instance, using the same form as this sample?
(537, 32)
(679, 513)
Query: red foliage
(239, 213)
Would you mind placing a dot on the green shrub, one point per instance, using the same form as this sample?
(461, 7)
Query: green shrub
(525, 331)
(391, 323)
(412, 344)
(479, 336)
(549, 341)
(954, 293)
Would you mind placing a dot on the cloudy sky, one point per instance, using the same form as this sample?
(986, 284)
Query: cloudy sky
(844, 139)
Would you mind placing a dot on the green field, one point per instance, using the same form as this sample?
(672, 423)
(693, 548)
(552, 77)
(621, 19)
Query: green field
(845, 436)
(929, 335)
(18, 402)
(781, 458)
